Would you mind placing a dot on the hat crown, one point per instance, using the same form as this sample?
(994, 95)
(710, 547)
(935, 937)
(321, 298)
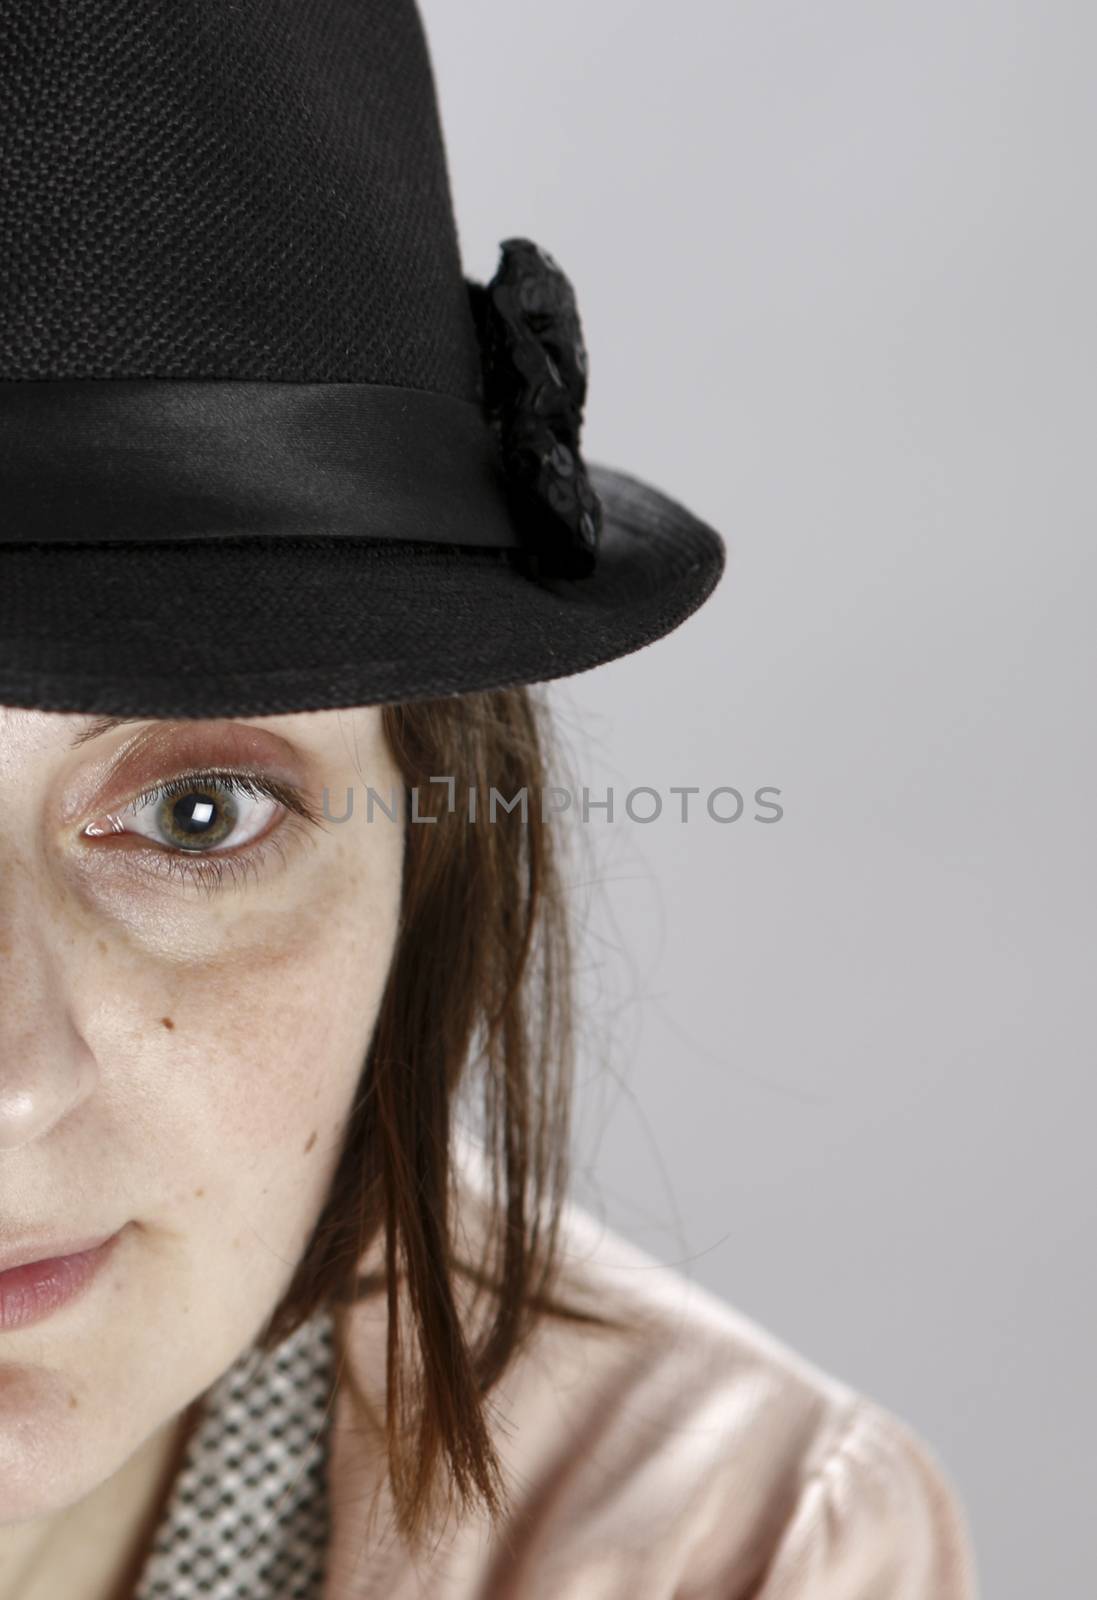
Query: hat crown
(243, 189)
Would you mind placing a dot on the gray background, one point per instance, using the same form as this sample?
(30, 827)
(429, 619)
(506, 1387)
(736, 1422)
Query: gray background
(837, 267)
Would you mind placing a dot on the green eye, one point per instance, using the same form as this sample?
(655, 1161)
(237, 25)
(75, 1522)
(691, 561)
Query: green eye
(197, 820)
(210, 825)
(201, 812)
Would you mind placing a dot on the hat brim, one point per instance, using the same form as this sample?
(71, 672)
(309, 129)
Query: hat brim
(266, 626)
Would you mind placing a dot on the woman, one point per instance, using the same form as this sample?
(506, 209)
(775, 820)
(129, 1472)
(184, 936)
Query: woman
(293, 516)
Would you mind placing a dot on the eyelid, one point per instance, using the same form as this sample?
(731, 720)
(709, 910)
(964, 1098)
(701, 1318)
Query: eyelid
(286, 794)
(105, 781)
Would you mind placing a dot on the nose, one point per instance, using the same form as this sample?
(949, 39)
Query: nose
(46, 1067)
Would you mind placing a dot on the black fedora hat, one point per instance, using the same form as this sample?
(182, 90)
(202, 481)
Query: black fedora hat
(263, 446)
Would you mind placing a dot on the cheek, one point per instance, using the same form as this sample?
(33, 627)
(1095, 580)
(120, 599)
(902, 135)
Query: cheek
(215, 1125)
(225, 1083)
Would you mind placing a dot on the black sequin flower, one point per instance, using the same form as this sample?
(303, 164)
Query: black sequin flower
(535, 386)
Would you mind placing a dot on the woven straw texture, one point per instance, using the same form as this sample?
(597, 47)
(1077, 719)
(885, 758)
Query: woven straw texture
(250, 189)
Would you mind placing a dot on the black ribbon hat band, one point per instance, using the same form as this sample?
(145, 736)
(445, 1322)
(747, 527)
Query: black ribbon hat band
(155, 459)
(150, 459)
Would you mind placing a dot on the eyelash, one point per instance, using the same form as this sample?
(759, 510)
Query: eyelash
(209, 869)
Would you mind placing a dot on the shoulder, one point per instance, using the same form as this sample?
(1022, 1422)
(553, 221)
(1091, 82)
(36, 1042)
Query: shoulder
(715, 1460)
(878, 1516)
(694, 1454)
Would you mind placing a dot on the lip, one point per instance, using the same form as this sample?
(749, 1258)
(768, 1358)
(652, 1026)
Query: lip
(31, 1290)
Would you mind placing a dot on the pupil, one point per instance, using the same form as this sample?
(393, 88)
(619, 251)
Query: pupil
(193, 813)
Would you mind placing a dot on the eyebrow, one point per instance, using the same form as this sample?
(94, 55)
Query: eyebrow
(102, 725)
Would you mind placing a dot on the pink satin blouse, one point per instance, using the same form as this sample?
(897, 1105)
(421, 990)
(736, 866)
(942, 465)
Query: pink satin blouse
(699, 1459)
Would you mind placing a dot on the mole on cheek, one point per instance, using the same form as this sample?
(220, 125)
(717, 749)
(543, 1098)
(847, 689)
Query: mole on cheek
(312, 1141)
(168, 1023)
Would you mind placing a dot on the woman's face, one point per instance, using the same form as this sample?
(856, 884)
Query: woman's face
(189, 986)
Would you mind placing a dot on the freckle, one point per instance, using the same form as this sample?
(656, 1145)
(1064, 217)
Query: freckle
(312, 1141)
(73, 1402)
(168, 1023)
(198, 1193)
(102, 944)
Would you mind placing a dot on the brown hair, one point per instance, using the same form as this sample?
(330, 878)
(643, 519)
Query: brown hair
(481, 973)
